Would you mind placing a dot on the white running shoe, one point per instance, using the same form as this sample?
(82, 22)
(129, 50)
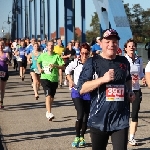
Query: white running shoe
(133, 142)
(65, 82)
(49, 116)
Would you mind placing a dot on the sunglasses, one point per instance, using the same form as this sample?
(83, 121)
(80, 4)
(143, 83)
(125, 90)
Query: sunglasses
(82, 53)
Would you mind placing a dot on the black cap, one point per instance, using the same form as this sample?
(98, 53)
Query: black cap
(109, 32)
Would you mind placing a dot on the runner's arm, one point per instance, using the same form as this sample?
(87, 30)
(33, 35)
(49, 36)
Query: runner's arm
(28, 58)
(69, 69)
(86, 83)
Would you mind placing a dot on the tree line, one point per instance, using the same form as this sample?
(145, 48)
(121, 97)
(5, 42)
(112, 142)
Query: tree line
(139, 20)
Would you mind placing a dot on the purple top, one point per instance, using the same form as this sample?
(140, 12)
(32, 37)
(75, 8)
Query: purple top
(3, 63)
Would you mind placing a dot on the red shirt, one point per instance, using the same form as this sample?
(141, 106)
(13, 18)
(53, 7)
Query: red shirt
(119, 51)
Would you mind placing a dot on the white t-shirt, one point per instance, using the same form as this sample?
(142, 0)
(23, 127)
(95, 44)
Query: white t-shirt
(147, 68)
(136, 71)
(75, 65)
(14, 44)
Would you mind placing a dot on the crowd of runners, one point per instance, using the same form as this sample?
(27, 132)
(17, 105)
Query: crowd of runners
(103, 81)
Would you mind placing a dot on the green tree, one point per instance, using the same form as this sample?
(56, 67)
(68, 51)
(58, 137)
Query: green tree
(95, 28)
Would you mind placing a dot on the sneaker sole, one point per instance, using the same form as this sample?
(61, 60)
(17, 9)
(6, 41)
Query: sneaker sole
(50, 119)
(133, 145)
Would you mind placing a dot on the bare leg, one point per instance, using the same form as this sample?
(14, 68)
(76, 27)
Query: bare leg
(35, 81)
(2, 88)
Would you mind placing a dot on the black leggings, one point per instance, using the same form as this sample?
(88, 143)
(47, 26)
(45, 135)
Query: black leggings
(136, 105)
(83, 109)
(100, 139)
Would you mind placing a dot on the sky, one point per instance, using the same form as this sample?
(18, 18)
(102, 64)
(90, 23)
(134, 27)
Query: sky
(6, 6)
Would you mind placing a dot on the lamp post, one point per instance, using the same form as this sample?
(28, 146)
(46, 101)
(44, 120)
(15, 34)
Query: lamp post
(3, 31)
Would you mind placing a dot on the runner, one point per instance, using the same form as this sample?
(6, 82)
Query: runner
(59, 49)
(13, 47)
(77, 48)
(68, 56)
(147, 74)
(22, 59)
(4, 62)
(48, 65)
(35, 74)
(136, 70)
(30, 46)
(108, 78)
(96, 49)
(81, 102)
(29, 49)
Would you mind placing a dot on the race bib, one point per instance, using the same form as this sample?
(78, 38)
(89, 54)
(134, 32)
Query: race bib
(47, 70)
(2, 74)
(114, 92)
(18, 58)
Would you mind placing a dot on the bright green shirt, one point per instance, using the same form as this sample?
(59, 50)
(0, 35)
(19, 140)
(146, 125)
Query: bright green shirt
(45, 60)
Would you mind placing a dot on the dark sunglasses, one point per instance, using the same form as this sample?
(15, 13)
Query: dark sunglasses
(82, 53)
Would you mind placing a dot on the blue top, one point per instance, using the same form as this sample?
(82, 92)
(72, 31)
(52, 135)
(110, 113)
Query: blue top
(34, 61)
(29, 49)
(43, 46)
(96, 47)
(107, 114)
(22, 52)
(77, 51)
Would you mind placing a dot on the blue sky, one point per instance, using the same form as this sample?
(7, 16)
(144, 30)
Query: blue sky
(6, 5)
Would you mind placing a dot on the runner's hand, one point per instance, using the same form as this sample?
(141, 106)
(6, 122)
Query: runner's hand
(69, 55)
(41, 71)
(144, 81)
(53, 66)
(131, 96)
(71, 84)
(108, 76)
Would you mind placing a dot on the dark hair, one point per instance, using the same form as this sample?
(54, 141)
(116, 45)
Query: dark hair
(22, 40)
(86, 46)
(128, 41)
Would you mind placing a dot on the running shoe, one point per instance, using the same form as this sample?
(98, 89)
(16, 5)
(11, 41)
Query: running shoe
(60, 86)
(76, 142)
(1, 105)
(49, 116)
(82, 142)
(65, 83)
(133, 142)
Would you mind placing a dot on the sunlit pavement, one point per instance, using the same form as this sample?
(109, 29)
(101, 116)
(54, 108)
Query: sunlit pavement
(25, 127)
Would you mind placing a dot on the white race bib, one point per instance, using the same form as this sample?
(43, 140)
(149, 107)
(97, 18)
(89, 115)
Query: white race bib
(114, 92)
(47, 70)
(2, 74)
(18, 58)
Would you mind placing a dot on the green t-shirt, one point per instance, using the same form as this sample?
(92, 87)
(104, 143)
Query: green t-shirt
(45, 60)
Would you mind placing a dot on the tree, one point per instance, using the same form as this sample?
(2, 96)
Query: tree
(95, 28)
(139, 21)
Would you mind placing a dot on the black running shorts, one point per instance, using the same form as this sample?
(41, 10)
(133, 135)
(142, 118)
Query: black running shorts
(49, 87)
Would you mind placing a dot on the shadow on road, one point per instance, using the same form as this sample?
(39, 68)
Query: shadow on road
(27, 106)
(60, 132)
(1, 145)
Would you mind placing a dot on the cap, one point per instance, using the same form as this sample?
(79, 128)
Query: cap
(98, 38)
(110, 32)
